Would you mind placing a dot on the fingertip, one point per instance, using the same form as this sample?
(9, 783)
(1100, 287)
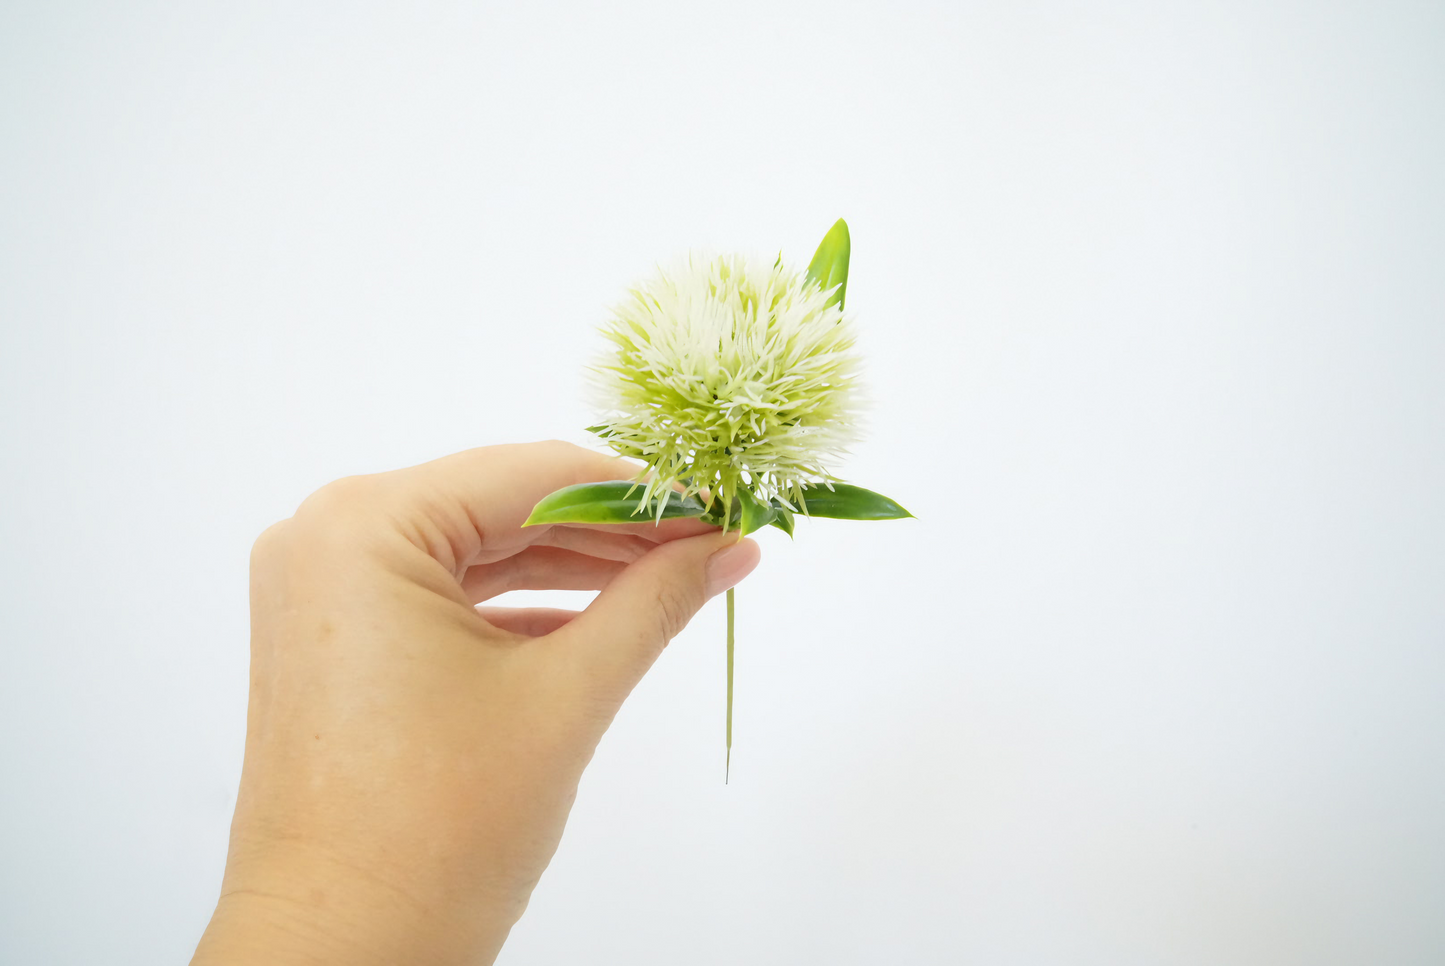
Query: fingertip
(727, 567)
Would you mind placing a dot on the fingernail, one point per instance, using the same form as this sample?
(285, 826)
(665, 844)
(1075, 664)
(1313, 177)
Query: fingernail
(729, 565)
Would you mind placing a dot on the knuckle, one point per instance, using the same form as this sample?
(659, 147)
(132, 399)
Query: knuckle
(674, 608)
(341, 497)
(271, 543)
(341, 517)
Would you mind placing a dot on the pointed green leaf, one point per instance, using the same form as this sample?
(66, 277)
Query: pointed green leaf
(847, 502)
(611, 502)
(782, 519)
(755, 515)
(829, 266)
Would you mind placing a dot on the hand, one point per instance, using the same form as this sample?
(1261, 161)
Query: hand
(411, 758)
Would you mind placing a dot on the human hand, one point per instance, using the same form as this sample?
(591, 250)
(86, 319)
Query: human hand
(411, 758)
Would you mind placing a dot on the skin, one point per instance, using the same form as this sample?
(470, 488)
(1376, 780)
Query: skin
(411, 758)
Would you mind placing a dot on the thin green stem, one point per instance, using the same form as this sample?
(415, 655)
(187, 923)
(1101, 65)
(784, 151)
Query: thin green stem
(728, 766)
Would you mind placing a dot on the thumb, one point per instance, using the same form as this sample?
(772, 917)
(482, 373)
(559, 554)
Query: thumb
(624, 630)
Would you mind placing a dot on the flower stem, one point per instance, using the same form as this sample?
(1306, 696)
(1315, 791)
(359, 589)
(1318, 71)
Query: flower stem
(727, 767)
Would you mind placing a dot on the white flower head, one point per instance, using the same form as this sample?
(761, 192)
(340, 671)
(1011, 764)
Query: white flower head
(727, 373)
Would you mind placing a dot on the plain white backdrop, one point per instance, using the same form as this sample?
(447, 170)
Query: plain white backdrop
(1153, 304)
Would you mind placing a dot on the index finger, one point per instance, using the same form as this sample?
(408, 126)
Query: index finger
(481, 497)
(496, 487)
(675, 528)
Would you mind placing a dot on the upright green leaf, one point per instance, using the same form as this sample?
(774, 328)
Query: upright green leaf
(845, 501)
(754, 515)
(612, 502)
(782, 519)
(829, 266)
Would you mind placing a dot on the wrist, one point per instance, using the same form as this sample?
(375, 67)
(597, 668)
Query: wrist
(323, 911)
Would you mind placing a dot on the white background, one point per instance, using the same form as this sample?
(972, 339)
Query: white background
(1153, 305)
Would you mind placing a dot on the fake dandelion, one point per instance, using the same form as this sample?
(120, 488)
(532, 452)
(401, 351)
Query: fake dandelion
(729, 373)
(735, 381)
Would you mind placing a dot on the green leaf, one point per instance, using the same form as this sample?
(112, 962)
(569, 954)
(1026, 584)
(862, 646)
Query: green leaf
(612, 502)
(754, 515)
(829, 266)
(782, 519)
(847, 502)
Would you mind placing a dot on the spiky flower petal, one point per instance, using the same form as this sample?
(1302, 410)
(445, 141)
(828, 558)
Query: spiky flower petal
(729, 373)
